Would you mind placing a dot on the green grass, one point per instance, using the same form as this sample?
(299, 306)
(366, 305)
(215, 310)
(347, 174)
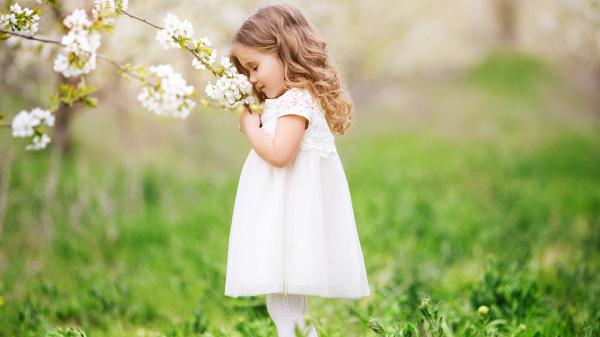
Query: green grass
(451, 220)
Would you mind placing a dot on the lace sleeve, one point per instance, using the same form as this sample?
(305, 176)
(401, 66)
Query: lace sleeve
(297, 102)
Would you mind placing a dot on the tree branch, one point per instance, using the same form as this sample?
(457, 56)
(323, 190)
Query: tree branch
(31, 37)
(100, 56)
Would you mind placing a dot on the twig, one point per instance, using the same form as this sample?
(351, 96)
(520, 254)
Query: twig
(118, 66)
(140, 19)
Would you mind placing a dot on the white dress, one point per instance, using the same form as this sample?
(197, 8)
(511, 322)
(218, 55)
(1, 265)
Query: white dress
(293, 229)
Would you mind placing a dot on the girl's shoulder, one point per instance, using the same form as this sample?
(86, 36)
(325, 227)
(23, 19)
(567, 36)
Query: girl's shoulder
(294, 99)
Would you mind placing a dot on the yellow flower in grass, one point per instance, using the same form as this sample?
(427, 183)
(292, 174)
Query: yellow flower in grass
(483, 310)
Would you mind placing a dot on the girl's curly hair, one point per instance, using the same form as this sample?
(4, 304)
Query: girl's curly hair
(284, 31)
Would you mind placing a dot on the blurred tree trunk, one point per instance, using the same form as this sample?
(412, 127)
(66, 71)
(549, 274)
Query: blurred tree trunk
(64, 113)
(506, 18)
(61, 147)
(62, 124)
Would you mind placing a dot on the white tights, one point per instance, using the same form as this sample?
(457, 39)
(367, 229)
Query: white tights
(288, 310)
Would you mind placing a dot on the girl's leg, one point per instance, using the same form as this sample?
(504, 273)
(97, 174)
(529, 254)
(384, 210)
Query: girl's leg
(287, 311)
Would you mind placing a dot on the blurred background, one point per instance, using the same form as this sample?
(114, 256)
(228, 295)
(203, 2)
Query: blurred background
(473, 163)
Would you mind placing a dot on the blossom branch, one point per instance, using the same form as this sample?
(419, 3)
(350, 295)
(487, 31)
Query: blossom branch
(118, 66)
(196, 55)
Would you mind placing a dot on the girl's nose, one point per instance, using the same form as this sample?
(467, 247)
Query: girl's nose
(252, 79)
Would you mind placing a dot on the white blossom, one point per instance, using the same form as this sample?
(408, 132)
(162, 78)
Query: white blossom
(20, 19)
(25, 122)
(108, 7)
(77, 20)
(103, 4)
(39, 143)
(79, 41)
(226, 62)
(7, 19)
(174, 29)
(80, 45)
(44, 116)
(170, 96)
(232, 89)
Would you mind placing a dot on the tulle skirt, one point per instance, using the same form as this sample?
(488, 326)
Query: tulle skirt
(293, 230)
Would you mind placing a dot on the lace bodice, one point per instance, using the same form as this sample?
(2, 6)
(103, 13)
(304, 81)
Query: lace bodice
(298, 101)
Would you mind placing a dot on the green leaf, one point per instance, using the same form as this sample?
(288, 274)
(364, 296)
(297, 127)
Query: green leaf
(54, 102)
(65, 93)
(100, 26)
(82, 91)
(126, 76)
(377, 327)
(39, 130)
(181, 43)
(409, 331)
(92, 102)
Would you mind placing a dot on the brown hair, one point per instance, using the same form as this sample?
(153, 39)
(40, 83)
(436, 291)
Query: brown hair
(284, 31)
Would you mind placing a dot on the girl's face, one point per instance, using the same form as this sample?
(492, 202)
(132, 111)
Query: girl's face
(265, 70)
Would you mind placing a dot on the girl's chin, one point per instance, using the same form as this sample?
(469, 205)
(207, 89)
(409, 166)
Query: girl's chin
(271, 96)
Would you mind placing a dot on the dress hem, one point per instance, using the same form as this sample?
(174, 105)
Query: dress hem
(296, 290)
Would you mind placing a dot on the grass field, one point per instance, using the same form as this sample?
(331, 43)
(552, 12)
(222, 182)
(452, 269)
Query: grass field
(477, 204)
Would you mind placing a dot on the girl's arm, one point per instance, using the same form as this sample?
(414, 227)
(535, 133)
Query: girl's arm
(281, 149)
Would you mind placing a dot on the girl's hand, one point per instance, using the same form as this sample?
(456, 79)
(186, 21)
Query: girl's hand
(249, 121)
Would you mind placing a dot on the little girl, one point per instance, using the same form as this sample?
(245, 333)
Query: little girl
(293, 231)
